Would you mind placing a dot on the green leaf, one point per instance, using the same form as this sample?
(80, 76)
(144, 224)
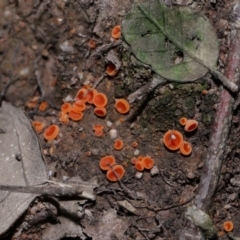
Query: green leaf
(179, 44)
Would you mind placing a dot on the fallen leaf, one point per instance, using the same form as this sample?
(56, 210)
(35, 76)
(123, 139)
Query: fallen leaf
(21, 163)
(177, 42)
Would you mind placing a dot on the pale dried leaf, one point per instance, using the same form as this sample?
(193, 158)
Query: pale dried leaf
(18, 139)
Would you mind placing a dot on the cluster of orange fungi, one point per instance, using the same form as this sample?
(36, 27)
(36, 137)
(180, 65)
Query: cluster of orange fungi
(173, 139)
(98, 130)
(142, 163)
(114, 171)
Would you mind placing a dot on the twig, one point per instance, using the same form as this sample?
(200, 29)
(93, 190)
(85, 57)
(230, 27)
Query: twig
(225, 81)
(219, 137)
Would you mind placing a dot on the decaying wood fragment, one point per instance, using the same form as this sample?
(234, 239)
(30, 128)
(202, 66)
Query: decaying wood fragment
(220, 132)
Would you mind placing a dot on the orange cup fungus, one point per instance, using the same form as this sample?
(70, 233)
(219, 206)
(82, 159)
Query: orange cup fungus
(228, 226)
(111, 70)
(139, 165)
(66, 107)
(100, 100)
(100, 111)
(122, 106)
(116, 32)
(79, 106)
(148, 162)
(51, 132)
(118, 144)
(134, 144)
(75, 115)
(38, 126)
(43, 106)
(106, 161)
(90, 95)
(183, 121)
(63, 117)
(92, 43)
(173, 139)
(82, 95)
(115, 173)
(186, 148)
(98, 129)
(134, 160)
(191, 125)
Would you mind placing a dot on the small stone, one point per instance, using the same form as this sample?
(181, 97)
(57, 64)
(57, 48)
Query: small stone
(109, 123)
(113, 133)
(136, 152)
(138, 175)
(154, 171)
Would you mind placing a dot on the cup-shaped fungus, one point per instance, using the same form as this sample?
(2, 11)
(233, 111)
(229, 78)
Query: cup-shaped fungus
(106, 161)
(66, 107)
(228, 226)
(134, 144)
(133, 161)
(43, 106)
(75, 115)
(98, 129)
(82, 95)
(38, 126)
(148, 162)
(51, 132)
(139, 165)
(90, 95)
(122, 106)
(79, 106)
(100, 111)
(115, 173)
(111, 70)
(173, 139)
(191, 125)
(183, 121)
(186, 148)
(63, 117)
(116, 32)
(92, 43)
(100, 100)
(118, 144)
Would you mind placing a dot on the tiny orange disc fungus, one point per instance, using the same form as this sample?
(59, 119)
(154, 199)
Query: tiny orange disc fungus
(106, 161)
(82, 94)
(98, 133)
(92, 43)
(98, 126)
(228, 226)
(118, 144)
(116, 32)
(43, 106)
(38, 126)
(66, 107)
(173, 139)
(122, 106)
(79, 106)
(133, 161)
(100, 100)
(148, 162)
(134, 144)
(186, 148)
(183, 121)
(139, 165)
(191, 125)
(100, 111)
(74, 115)
(115, 173)
(111, 70)
(63, 117)
(51, 132)
(90, 95)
